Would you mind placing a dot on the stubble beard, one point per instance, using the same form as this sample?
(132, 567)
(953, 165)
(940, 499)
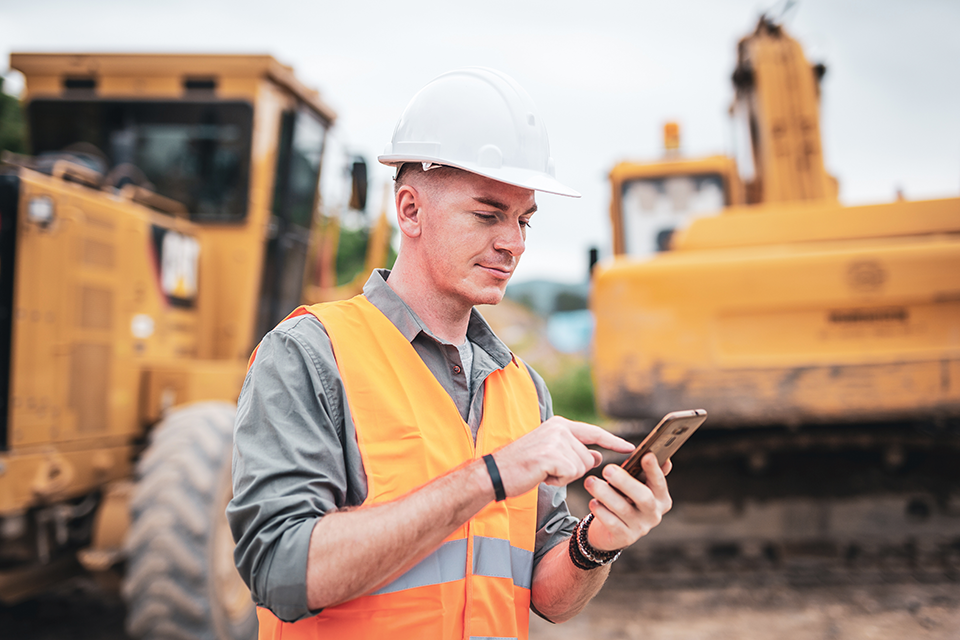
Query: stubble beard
(490, 294)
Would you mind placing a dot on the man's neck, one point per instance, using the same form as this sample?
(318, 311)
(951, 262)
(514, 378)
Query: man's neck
(447, 319)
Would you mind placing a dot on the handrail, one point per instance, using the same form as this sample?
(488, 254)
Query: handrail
(153, 200)
(64, 169)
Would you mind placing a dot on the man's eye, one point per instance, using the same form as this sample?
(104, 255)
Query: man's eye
(526, 224)
(485, 216)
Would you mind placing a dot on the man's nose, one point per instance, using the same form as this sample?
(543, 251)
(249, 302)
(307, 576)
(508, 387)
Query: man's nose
(511, 239)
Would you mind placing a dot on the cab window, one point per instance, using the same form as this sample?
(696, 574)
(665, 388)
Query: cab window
(197, 153)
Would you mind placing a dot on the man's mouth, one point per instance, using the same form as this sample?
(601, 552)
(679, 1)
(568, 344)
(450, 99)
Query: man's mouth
(497, 271)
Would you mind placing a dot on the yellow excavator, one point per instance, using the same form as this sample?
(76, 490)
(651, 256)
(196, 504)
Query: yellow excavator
(167, 217)
(772, 304)
(823, 341)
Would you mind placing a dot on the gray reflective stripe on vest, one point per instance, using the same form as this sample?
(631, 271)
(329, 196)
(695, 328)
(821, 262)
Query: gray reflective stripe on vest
(492, 638)
(497, 558)
(492, 557)
(446, 564)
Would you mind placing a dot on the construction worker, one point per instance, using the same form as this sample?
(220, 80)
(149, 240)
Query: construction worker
(397, 471)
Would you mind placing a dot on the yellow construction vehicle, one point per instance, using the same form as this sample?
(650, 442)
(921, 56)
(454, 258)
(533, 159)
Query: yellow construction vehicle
(774, 304)
(167, 218)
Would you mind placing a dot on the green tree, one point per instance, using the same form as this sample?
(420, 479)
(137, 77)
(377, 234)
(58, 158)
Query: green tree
(572, 393)
(569, 301)
(352, 253)
(13, 130)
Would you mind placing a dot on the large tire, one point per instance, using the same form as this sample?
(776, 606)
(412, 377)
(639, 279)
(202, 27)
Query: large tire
(180, 581)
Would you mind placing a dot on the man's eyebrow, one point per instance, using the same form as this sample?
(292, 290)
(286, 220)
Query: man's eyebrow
(496, 204)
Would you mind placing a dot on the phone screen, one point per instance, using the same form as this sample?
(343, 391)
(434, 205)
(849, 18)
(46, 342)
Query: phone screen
(665, 438)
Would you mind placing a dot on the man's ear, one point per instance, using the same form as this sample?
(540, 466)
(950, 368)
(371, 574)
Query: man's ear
(409, 203)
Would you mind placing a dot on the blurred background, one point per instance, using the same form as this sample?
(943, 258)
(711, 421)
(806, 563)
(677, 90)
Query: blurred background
(785, 258)
(605, 75)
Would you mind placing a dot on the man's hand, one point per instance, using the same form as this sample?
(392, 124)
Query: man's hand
(555, 453)
(625, 509)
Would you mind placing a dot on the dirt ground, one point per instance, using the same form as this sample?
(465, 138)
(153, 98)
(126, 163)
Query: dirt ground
(875, 612)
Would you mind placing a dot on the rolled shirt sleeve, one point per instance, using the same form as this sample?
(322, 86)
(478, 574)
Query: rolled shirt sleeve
(289, 463)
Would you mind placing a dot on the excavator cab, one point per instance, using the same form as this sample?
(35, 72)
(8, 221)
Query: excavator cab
(649, 202)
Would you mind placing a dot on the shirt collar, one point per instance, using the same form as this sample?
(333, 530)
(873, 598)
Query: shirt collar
(380, 295)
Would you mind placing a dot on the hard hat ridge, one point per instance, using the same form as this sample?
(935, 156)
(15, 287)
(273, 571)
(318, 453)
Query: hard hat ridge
(478, 120)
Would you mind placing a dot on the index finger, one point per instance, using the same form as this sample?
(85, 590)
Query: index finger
(592, 434)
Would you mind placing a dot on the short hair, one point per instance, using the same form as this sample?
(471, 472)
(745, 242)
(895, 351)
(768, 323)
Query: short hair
(413, 173)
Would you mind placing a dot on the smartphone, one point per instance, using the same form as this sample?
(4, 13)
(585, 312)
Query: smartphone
(665, 438)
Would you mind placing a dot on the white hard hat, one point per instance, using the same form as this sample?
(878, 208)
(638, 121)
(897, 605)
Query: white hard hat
(478, 120)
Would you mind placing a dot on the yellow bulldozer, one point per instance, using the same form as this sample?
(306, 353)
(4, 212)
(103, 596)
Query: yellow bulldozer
(167, 217)
(771, 303)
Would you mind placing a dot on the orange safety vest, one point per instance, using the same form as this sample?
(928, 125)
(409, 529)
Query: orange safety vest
(477, 583)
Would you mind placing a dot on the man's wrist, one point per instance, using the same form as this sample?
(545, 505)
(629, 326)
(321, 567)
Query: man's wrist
(498, 491)
(583, 555)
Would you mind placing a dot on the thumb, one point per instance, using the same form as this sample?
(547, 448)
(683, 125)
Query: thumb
(597, 458)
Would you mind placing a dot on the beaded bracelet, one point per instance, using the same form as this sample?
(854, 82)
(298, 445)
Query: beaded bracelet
(584, 555)
(577, 559)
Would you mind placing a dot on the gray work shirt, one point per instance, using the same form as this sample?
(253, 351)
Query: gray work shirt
(295, 449)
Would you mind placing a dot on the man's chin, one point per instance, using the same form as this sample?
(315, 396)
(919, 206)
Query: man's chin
(489, 295)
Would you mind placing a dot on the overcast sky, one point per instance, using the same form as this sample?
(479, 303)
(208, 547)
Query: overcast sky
(605, 75)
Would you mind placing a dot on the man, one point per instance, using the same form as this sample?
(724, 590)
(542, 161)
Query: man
(396, 469)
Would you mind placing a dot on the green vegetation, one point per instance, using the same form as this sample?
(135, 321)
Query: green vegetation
(572, 392)
(13, 130)
(569, 301)
(352, 253)
(526, 299)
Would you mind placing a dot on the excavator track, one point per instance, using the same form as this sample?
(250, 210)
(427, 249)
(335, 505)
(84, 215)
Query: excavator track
(823, 505)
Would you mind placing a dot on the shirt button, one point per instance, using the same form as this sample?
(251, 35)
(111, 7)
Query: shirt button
(456, 369)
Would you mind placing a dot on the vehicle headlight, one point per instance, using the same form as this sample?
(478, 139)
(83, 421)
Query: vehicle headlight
(40, 210)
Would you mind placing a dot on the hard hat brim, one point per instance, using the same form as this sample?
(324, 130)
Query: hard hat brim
(524, 178)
